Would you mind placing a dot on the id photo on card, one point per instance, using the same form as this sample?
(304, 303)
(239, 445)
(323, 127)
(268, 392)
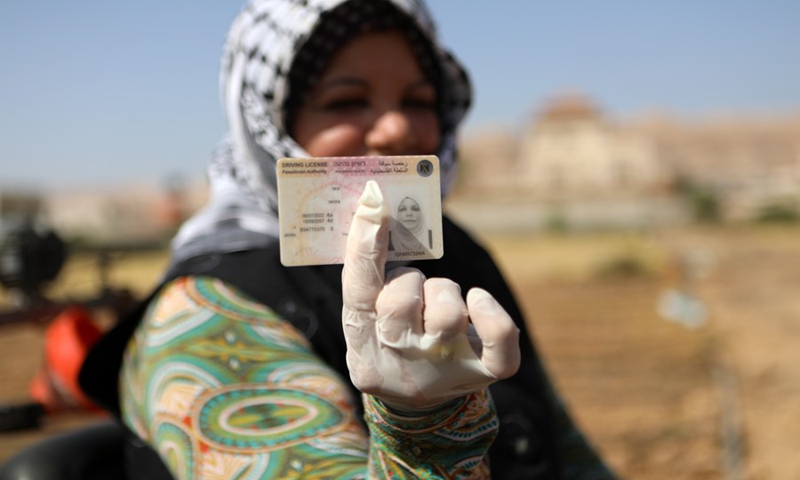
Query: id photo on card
(409, 231)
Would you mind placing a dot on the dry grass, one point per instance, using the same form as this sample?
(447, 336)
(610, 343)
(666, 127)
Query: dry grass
(547, 258)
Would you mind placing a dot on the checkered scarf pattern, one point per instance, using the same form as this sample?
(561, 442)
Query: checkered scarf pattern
(260, 52)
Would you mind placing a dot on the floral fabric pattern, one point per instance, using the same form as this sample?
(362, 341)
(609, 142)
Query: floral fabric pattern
(223, 388)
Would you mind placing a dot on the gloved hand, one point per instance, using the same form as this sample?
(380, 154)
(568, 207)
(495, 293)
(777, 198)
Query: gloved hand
(409, 339)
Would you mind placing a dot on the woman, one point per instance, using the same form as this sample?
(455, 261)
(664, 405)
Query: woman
(408, 233)
(237, 367)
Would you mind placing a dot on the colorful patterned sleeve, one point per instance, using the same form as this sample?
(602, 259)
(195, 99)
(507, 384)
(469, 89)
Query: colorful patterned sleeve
(223, 388)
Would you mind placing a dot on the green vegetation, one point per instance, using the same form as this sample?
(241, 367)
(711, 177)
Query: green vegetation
(705, 205)
(778, 213)
(625, 265)
(556, 222)
(703, 201)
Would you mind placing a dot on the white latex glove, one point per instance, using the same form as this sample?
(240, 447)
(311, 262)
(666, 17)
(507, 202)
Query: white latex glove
(409, 339)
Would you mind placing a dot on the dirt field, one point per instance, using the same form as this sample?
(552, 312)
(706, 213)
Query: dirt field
(659, 399)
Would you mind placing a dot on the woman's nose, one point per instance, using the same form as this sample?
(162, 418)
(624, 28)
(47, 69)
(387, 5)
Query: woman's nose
(390, 134)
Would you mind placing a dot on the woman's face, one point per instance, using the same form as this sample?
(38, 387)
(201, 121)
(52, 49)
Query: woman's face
(408, 214)
(372, 99)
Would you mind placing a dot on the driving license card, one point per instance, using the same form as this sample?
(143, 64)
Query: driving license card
(317, 198)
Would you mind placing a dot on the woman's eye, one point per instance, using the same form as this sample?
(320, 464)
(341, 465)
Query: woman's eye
(420, 103)
(401, 209)
(345, 104)
(415, 208)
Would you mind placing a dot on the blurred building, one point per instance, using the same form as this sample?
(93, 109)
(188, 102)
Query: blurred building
(574, 157)
(488, 163)
(572, 151)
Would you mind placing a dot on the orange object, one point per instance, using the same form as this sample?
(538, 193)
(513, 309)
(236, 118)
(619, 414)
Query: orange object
(67, 340)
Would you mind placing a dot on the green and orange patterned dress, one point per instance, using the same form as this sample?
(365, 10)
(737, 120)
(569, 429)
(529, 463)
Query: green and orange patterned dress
(223, 388)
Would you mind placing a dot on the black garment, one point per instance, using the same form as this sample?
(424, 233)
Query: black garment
(310, 298)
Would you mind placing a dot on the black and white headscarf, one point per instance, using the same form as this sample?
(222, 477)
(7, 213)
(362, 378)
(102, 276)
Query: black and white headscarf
(260, 52)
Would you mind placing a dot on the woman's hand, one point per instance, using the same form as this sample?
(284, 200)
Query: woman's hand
(410, 341)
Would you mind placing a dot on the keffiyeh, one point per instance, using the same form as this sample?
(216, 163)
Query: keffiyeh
(260, 53)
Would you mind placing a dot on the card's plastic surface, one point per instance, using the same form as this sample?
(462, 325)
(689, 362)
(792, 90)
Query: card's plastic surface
(317, 199)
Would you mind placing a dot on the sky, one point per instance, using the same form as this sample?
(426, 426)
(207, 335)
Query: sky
(108, 92)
